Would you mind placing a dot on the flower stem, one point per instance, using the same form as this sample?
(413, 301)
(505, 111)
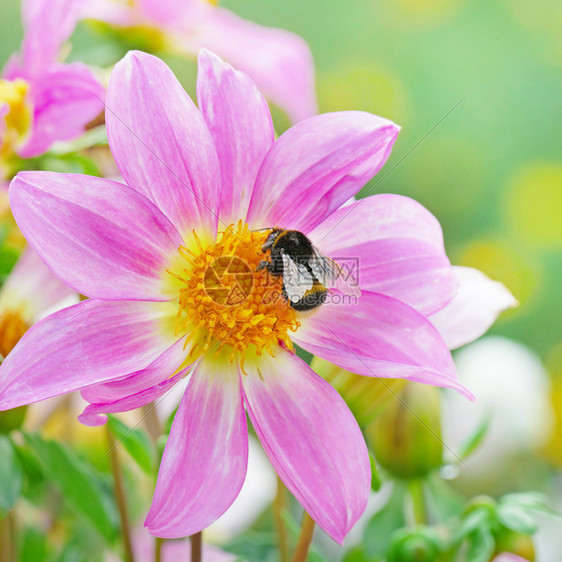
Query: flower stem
(305, 538)
(7, 544)
(196, 546)
(158, 543)
(151, 421)
(120, 497)
(418, 502)
(279, 507)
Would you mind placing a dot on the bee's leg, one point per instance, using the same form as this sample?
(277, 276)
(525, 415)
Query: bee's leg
(264, 265)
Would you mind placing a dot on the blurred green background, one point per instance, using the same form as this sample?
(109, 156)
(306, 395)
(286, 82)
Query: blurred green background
(476, 86)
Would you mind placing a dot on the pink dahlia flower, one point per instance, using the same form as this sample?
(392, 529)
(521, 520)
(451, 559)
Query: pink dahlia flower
(200, 184)
(278, 61)
(41, 99)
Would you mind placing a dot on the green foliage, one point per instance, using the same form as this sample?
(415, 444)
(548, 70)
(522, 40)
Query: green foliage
(12, 419)
(480, 545)
(444, 503)
(80, 485)
(68, 163)
(357, 554)
(509, 522)
(136, 443)
(414, 545)
(34, 546)
(30, 464)
(517, 518)
(376, 481)
(11, 476)
(376, 537)
(475, 439)
(8, 255)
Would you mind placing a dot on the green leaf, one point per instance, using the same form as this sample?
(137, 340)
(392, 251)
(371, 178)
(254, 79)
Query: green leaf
(516, 518)
(8, 258)
(78, 482)
(136, 443)
(376, 481)
(70, 163)
(92, 137)
(529, 500)
(29, 462)
(481, 546)
(33, 546)
(444, 502)
(479, 519)
(379, 529)
(474, 440)
(357, 554)
(11, 476)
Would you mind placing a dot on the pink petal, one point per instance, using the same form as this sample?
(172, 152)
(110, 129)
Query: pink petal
(206, 455)
(95, 414)
(475, 308)
(278, 61)
(397, 246)
(159, 370)
(165, 13)
(100, 237)
(90, 342)
(316, 166)
(509, 557)
(378, 336)
(110, 12)
(311, 438)
(239, 120)
(31, 287)
(161, 144)
(47, 24)
(65, 98)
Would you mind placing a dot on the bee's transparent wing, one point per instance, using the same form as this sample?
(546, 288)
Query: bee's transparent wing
(296, 278)
(333, 276)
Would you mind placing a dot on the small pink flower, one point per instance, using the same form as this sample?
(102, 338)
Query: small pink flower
(28, 292)
(59, 98)
(142, 252)
(279, 62)
(509, 557)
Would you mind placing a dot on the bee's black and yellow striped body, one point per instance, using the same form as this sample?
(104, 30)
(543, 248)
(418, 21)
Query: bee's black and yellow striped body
(294, 245)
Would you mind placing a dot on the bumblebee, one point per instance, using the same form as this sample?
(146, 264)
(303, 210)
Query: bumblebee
(307, 274)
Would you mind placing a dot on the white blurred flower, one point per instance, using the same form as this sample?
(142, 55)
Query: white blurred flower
(258, 491)
(511, 386)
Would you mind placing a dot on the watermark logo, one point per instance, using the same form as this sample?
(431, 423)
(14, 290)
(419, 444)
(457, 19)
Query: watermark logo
(228, 280)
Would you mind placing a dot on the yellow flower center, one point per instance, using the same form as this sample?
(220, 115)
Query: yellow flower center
(12, 328)
(225, 302)
(18, 118)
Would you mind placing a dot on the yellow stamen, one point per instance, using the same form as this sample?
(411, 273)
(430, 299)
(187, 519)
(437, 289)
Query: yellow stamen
(224, 302)
(18, 117)
(12, 328)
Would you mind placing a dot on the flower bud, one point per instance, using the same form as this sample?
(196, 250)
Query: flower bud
(365, 396)
(406, 436)
(413, 545)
